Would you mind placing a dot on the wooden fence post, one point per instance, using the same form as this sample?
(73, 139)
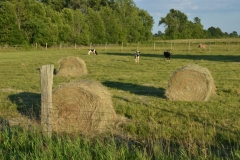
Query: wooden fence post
(90, 45)
(122, 46)
(154, 46)
(46, 46)
(46, 98)
(188, 45)
(228, 45)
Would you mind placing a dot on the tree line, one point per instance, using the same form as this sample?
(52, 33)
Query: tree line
(26, 22)
(73, 21)
(177, 26)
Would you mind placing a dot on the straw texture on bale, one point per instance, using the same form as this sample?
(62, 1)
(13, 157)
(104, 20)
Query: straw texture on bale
(190, 83)
(72, 66)
(84, 107)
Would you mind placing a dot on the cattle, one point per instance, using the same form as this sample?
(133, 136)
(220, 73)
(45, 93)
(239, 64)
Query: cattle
(92, 51)
(137, 56)
(203, 46)
(167, 55)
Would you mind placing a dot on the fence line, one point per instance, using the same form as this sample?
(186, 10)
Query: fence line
(155, 45)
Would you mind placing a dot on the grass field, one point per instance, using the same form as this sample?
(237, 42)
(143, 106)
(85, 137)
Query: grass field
(156, 128)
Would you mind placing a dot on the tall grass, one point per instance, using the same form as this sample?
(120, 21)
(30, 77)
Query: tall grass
(155, 128)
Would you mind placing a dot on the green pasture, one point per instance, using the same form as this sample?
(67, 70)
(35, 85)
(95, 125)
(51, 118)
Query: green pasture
(156, 127)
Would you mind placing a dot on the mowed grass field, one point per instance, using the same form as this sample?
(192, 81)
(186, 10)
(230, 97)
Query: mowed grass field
(163, 129)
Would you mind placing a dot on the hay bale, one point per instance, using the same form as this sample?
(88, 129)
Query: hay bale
(72, 66)
(190, 83)
(84, 107)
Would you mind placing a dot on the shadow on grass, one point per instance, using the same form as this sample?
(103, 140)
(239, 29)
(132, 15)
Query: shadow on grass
(208, 57)
(29, 104)
(136, 89)
(219, 58)
(120, 54)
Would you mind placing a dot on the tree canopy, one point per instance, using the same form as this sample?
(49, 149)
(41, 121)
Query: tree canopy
(73, 21)
(177, 26)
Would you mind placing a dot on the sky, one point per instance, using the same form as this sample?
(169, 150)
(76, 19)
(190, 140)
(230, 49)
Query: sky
(224, 14)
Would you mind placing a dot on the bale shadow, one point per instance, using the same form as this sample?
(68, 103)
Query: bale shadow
(136, 89)
(28, 104)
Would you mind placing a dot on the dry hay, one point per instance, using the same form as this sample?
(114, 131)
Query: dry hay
(84, 107)
(190, 83)
(72, 66)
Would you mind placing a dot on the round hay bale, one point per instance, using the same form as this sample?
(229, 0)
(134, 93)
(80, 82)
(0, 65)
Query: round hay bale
(190, 83)
(84, 106)
(72, 66)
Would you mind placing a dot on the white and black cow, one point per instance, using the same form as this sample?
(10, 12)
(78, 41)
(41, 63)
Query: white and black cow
(167, 55)
(92, 51)
(137, 56)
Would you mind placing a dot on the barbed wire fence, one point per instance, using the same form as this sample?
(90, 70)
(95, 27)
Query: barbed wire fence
(178, 45)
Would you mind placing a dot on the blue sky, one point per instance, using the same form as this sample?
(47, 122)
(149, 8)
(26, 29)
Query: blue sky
(224, 14)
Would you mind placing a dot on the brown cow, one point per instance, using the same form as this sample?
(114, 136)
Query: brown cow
(203, 46)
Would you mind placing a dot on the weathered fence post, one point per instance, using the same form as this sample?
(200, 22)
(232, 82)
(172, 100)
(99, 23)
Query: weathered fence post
(75, 46)
(122, 46)
(154, 46)
(105, 46)
(46, 98)
(228, 46)
(188, 45)
(90, 45)
(36, 45)
(171, 45)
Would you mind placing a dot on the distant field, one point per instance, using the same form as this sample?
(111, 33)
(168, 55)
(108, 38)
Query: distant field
(190, 129)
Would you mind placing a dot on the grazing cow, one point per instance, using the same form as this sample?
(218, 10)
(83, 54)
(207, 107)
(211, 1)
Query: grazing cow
(203, 46)
(167, 55)
(92, 51)
(137, 56)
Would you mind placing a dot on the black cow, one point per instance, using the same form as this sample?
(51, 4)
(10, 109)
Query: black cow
(167, 55)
